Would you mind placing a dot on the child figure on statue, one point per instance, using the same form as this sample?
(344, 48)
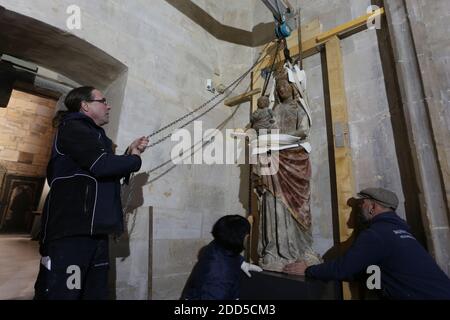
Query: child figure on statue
(263, 117)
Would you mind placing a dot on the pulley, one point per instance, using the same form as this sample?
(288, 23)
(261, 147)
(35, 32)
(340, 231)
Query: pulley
(282, 30)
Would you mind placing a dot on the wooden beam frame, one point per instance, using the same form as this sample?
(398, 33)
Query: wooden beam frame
(349, 26)
(312, 45)
(344, 184)
(339, 118)
(245, 97)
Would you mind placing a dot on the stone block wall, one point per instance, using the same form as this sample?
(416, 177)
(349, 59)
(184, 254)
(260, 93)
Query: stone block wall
(430, 27)
(168, 58)
(26, 134)
(418, 32)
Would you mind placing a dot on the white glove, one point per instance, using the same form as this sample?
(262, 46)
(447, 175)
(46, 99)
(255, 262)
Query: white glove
(247, 267)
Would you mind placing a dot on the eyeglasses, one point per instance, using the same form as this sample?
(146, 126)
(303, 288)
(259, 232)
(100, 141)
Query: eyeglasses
(104, 101)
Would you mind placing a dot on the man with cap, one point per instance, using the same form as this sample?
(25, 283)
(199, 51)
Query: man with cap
(407, 270)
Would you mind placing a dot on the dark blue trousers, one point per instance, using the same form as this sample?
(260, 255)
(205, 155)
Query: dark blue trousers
(78, 269)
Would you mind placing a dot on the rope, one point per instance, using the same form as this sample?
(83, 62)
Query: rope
(234, 84)
(300, 48)
(266, 82)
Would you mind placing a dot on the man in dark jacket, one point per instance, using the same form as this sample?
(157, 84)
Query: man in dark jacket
(83, 206)
(407, 270)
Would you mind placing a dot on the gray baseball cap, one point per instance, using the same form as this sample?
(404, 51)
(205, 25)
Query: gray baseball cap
(382, 196)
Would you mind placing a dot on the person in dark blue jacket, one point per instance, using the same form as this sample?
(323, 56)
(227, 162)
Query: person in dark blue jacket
(216, 276)
(83, 206)
(407, 270)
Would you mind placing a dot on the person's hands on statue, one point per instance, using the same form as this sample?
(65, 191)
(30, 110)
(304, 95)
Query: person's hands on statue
(297, 268)
(247, 267)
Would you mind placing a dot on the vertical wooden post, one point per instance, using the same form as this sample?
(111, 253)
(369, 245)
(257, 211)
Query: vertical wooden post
(150, 255)
(345, 185)
(257, 82)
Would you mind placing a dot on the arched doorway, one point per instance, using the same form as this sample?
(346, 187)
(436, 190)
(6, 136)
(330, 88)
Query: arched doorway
(67, 55)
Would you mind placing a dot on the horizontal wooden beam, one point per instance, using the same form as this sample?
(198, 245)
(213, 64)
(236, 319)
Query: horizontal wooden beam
(349, 26)
(245, 97)
(312, 45)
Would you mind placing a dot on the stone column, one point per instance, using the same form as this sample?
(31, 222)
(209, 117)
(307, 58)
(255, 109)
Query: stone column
(422, 126)
(430, 26)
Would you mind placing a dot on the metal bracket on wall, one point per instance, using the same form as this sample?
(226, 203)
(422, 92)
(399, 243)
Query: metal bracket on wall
(339, 134)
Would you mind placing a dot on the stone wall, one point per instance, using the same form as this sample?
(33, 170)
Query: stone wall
(26, 134)
(420, 52)
(430, 26)
(168, 59)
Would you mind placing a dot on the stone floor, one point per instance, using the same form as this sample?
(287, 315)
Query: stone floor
(19, 264)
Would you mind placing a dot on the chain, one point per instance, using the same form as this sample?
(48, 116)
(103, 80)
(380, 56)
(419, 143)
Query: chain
(192, 151)
(266, 82)
(192, 120)
(132, 185)
(235, 83)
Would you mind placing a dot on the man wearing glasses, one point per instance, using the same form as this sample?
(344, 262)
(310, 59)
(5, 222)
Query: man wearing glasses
(83, 206)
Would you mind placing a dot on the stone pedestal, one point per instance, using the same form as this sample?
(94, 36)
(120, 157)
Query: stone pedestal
(279, 286)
